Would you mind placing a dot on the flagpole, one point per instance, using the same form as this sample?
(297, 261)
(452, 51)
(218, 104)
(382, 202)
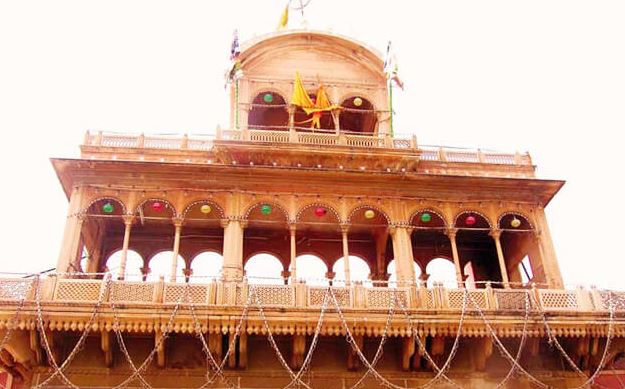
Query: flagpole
(390, 104)
(236, 104)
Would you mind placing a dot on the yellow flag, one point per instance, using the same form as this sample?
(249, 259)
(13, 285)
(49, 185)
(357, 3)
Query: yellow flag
(284, 19)
(300, 97)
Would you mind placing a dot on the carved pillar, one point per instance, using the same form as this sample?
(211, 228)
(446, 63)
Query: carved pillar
(344, 230)
(496, 234)
(128, 220)
(547, 251)
(451, 233)
(174, 259)
(233, 249)
(293, 267)
(291, 111)
(402, 251)
(72, 232)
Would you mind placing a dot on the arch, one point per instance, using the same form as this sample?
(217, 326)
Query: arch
(503, 221)
(257, 204)
(482, 221)
(134, 265)
(361, 118)
(268, 114)
(264, 268)
(205, 267)
(437, 218)
(160, 265)
(312, 269)
(141, 207)
(441, 270)
(364, 207)
(330, 209)
(392, 272)
(95, 206)
(217, 210)
(359, 270)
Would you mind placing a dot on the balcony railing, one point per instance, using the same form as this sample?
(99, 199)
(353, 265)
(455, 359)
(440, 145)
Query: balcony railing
(316, 138)
(301, 295)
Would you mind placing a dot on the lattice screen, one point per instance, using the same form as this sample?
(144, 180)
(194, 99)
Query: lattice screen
(126, 291)
(197, 294)
(14, 288)
(77, 290)
(316, 294)
(381, 298)
(558, 300)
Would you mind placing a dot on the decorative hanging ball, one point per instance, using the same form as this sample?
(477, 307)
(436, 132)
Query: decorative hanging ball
(426, 217)
(265, 209)
(268, 98)
(206, 209)
(108, 208)
(357, 101)
(369, 214)
(470, 220)
(320, 211)
(157, 206)
(515, 223)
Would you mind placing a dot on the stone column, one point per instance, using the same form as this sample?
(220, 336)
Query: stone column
(451, 233)
(128, 220)
(176, 249)
(233, 249)
(293, 267)
(402, 252)
(496, 234)
(344, 230)
(547, 251)
(72, 232)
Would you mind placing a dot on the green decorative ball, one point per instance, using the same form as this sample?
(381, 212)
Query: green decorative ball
(265, 209)
(108, 208)
(426, 217)
(268, 98)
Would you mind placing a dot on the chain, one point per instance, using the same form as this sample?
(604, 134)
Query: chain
(272, 341)
(218, 368)
(313, 344)
(422, 348)
(554, 341)
(513, 360)
(58, 370)
(137, 371)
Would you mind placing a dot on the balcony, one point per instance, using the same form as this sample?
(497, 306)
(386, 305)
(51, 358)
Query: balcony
(200, 149)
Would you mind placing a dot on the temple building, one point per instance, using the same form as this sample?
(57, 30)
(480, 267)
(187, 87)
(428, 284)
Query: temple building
(158, 284)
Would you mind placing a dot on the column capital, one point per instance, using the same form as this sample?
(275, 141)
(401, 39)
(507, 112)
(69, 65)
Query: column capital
(177, 221)
(344, 228)
(292, 228)
(451, 232)
(128, 219)
(330, 275)
(495, 233)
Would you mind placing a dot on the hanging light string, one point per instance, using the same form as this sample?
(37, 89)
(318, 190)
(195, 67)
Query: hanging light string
(59, 370)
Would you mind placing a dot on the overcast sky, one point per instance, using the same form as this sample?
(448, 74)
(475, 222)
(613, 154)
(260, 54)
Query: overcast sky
(543, 76)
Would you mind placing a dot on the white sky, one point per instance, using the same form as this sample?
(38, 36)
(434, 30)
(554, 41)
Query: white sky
(543, 76)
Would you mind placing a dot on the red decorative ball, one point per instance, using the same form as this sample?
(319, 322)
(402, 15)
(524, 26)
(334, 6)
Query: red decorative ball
(157, 206)
(320, 211)
(470, 220)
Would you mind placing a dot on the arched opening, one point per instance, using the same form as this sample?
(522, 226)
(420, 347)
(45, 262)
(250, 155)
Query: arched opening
(312, 270)
(441, 271)
(520, 250)
(429, 239)
(476, 245)
(368, 237)
(268, 111)
(358, 268)
(392, 272)
(202, 239)
(317, 232)
(267, 232)
(303, 122)
(206, 267)
(160, 266)
(264, 269)
(103, 216)
(358, 116)
(134, 265)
